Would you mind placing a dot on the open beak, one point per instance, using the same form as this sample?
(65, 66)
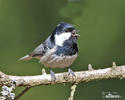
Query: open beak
(74, 33)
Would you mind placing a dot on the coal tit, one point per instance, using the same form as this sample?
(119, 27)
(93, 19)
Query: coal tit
(59, 50)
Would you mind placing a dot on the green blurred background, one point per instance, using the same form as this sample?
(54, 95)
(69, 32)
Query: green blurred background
(24, 24)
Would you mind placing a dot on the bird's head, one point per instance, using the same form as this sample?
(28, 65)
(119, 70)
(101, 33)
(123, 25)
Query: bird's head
(63, 32)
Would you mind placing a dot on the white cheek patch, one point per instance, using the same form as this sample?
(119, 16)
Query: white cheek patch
(59, 39)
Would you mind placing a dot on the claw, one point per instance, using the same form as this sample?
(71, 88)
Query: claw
(53, 77)
(71, 72)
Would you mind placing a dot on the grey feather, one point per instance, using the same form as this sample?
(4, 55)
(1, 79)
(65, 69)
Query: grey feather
(27, 57)
(42, 48)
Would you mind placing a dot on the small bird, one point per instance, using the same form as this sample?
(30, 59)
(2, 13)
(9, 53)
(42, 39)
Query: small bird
(59, 50)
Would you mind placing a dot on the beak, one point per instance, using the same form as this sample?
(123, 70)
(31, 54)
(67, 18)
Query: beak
(74, 33)
(77, 35)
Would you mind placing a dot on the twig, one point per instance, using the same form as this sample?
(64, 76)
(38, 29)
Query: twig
(73, 88)
(80, 76)
(114, 65)
(90, 67)
(22, 93)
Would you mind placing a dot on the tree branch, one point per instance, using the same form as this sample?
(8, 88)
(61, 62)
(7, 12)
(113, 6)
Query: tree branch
(81, 76)
(22, 93)
(73, 89)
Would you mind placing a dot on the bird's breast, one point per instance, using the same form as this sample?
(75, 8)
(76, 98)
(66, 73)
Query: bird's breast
(52, 60)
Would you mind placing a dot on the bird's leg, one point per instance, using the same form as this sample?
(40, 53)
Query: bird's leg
(53, 77)
(71, 72)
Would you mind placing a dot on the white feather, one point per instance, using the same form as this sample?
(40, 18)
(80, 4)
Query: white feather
(27, 57)
(59, 39)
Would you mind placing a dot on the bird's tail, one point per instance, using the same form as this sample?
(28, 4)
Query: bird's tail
(27, 57)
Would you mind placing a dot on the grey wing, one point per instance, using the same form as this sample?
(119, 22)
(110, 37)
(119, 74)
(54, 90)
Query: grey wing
(39, 51)
(42, 48)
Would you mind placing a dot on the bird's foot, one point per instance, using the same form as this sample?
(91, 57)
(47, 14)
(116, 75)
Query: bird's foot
(71, 72)
(53, 77)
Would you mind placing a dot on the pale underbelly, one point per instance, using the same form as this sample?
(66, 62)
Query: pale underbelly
(54, 61)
